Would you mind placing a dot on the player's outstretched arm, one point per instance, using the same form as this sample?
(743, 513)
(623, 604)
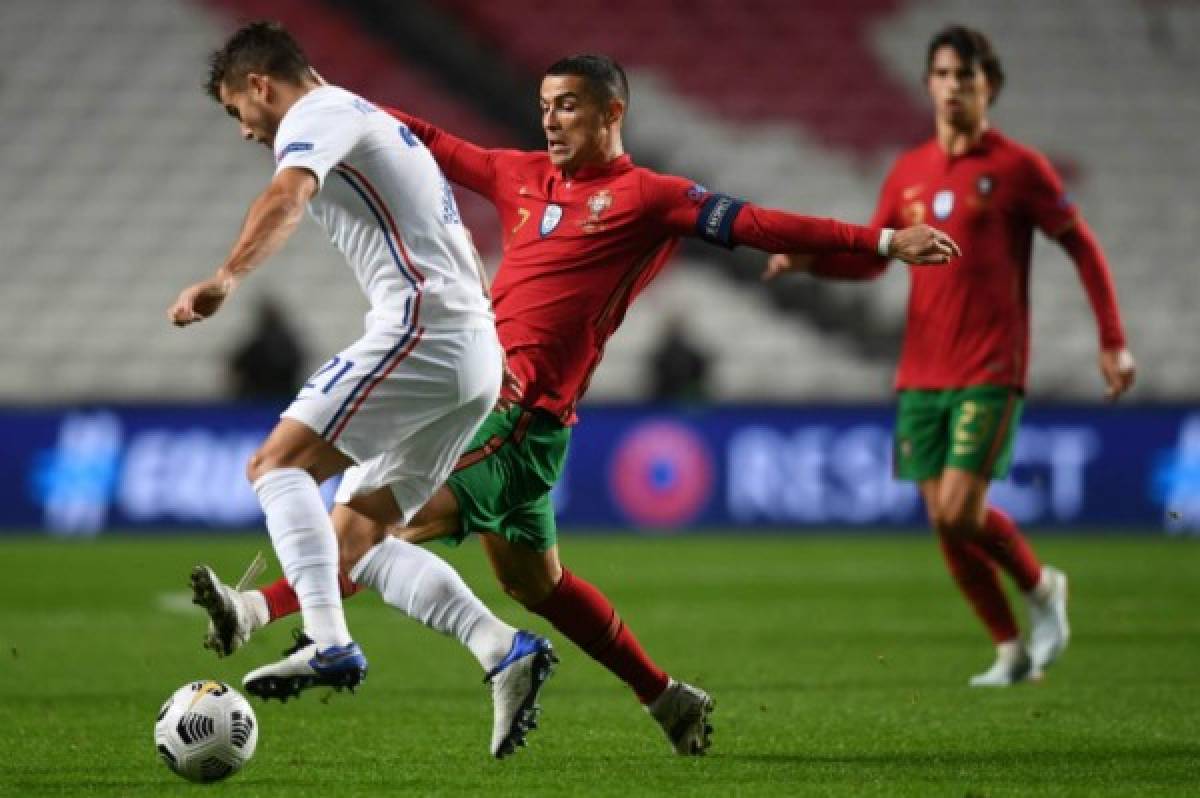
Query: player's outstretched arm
(1117, 365)
(779, 231)
(271, 220)
(467, 164)
(689, 209)
(855, 266)
(917, 244)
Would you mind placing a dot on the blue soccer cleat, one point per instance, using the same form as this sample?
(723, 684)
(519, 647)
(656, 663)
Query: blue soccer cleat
(516, 682)
(303, 666)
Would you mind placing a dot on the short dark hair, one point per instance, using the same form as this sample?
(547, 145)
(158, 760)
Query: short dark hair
(605, 79)
(973, 48)
(262, 47)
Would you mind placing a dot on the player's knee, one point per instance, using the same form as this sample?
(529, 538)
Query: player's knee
(258, 465)
(269, 458)
(527, 591)
(350, 551)
(356, 535)
(261, 463)
(355, 542)
(959, 519)
(515, 589)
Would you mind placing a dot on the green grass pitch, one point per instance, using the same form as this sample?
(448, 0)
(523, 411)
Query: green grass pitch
(838, 666)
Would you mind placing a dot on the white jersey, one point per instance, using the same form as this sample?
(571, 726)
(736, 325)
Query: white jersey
(386, 205)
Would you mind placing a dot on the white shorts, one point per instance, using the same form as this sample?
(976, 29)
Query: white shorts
(402, 405)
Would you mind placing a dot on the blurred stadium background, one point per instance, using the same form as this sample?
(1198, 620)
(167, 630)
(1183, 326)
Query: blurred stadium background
(124, 183)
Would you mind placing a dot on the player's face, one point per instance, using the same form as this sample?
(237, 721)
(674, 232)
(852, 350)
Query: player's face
(574, 122)
(250, 108)
(959, 90)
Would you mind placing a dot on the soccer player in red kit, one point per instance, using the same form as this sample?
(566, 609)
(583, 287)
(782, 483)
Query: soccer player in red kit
(584, 231)
(966, 346)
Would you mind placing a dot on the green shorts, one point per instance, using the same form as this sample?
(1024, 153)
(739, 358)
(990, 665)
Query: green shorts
(503, 480)
(968, 428)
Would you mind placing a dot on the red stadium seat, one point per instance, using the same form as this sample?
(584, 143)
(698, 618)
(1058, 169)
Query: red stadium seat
(808, 63)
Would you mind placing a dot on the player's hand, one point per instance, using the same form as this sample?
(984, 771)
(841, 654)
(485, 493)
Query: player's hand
(198, 302)
(1119, 371)
(511, 388)
(923, 244)
(780, 264)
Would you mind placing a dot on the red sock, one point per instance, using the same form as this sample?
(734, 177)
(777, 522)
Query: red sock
(348, 588)
(582, 613)
(1008, 548)
(282, 601)
(976, 578)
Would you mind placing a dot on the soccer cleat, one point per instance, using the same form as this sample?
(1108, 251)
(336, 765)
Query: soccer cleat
(303, 666)
(1012, 665)
(683, 711)
(1049, 631)
(516, 682)
(229, 622)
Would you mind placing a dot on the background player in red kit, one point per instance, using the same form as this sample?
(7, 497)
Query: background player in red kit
(966, 347)
(584, 231)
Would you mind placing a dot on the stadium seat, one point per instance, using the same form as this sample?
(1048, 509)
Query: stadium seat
(803, 104)
(124, 183)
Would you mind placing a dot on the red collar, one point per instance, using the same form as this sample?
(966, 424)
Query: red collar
(990, 138)
(618, 165)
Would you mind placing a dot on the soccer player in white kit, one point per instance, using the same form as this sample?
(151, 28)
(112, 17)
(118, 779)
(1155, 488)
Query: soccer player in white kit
(392, 411)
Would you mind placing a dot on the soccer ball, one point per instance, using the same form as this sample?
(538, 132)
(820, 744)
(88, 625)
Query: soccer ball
(206, 731)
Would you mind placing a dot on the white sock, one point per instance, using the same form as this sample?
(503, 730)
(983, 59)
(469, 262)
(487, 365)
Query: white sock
(307, 548)
(424, 587)
(257, 612)
(1009, 651)
(1043, 589)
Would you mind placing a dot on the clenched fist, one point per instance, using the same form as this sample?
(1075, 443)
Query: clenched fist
(198, 302)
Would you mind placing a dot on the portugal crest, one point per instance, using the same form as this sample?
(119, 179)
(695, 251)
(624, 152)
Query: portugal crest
(984, 186)
(550, 219)
(597, 204)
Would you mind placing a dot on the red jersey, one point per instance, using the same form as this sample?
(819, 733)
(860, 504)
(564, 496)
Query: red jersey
(968, 321)
(578, 249)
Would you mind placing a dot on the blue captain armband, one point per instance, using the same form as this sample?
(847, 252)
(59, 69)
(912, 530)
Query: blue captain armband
(715, 222)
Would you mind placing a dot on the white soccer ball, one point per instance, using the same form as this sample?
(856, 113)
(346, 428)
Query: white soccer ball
(206, 731)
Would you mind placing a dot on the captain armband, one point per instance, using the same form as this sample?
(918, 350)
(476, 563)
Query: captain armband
(715, 222)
